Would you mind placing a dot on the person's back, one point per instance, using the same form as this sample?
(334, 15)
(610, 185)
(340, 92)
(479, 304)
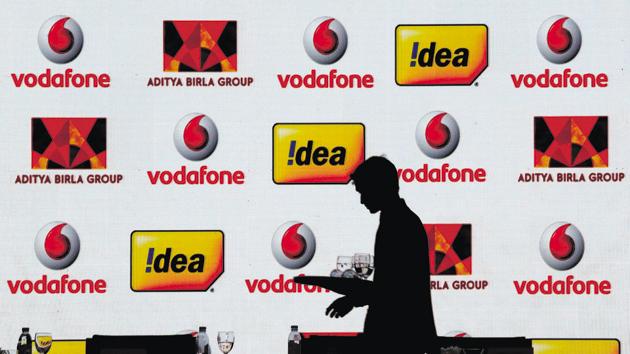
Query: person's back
(400, 314)
(401, 301)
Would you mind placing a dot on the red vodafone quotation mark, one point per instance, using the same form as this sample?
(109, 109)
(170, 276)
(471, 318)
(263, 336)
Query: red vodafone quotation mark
(324, 39)
(60, 39)
(559, 39)
(437, 134)
(195, 135)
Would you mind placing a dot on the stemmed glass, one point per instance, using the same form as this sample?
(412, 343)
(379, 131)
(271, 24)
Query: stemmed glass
(226, 341)
(43, 342)
(363, 264)
(344, 264)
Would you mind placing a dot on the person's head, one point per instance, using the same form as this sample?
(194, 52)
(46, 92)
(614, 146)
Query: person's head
(376, 179)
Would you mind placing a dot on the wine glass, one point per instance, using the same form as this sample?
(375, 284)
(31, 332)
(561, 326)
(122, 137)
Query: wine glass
(226, 341)
(363, 264)
(343, 263)
(43, 342)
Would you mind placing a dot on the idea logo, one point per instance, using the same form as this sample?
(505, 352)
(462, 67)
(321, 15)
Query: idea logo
(176, 260)
(432, 55)
(317, 153)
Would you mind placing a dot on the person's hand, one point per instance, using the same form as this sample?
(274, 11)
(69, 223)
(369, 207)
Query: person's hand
(339, 307)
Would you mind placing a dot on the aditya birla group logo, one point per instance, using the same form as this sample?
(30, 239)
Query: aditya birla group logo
(571, 141)
(65, 146)
(68, 143)
(437, 134)
(561, 246)
(325, 40)
(196, 136)
(57, 245)
(293, 245)
(60, 39)
(559, 39)
(571, 145)
(450, 257)
(200, 46)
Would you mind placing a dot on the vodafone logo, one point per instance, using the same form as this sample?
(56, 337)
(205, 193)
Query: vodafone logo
(57, 245)
(559, 39)
(196, 136)
(293, 245)
(60, 39)
(325, 40)
(457, 334)
(437, 134)
(562, 246)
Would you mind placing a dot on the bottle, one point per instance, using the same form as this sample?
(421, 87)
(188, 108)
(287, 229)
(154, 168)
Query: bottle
(203, 341)
(295, 340)
(25, 342)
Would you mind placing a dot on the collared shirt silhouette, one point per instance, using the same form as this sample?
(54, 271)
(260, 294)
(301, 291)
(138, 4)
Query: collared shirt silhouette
(400, 314)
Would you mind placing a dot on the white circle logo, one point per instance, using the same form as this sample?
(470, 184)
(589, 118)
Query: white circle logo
(437, 134)
(196, 136)
(325, 40)
(57, 245)
(559, 39)
(562, 246)
(60, 39)
(293, 245)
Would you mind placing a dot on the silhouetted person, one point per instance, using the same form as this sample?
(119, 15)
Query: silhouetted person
(400, 316)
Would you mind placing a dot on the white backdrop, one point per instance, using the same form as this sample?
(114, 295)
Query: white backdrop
(124, 39)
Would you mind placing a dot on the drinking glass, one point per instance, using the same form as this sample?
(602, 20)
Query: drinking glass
(363, 264)
(226, 341)
(43, 342)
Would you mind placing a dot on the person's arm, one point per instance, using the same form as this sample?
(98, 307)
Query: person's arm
(361, 296)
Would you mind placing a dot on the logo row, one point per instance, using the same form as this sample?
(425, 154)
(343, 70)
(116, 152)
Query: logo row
(319, 153)
(194, 260)
(426, 55)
